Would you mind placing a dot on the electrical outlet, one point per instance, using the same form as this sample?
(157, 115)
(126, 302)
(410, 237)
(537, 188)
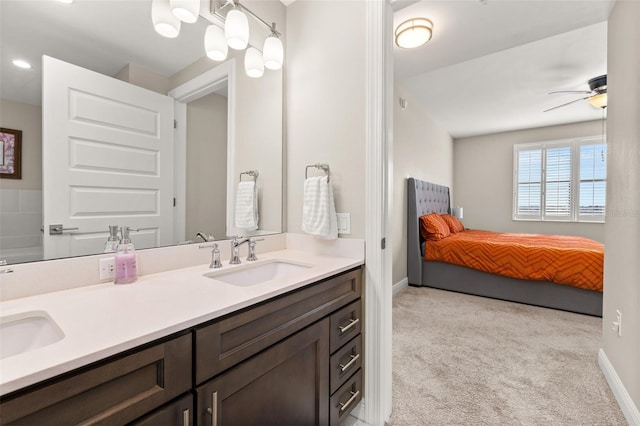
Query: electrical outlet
(617, 324)
(107, 268)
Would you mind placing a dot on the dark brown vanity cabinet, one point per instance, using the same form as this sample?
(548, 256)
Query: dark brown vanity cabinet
(295, 359)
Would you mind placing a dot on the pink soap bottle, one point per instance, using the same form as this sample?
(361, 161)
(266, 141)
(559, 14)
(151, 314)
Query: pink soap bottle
(126, 259)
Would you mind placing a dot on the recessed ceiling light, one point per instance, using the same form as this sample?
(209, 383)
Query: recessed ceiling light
(21, 64)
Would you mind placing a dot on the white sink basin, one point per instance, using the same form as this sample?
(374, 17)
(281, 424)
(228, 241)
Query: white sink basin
(252, 274)
(27, 331)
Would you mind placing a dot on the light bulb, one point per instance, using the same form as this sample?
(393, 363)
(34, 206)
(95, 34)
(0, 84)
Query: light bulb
(236, 29)
(253, 65)
(215, 44)
(164, 22)
(186, 10)
(273, 53)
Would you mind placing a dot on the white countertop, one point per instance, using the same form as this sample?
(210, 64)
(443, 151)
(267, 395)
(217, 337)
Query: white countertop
(104, 319)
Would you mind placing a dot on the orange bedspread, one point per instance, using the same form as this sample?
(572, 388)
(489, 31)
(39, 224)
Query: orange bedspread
(574, 261)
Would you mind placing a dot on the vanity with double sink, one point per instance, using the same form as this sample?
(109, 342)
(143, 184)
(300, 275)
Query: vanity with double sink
(275, 341)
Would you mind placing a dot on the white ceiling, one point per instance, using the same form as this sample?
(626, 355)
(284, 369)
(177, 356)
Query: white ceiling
(489, 67)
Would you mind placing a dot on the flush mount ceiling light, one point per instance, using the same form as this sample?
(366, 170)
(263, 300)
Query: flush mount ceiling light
(164, 22)
(413, 33)
(185, 10)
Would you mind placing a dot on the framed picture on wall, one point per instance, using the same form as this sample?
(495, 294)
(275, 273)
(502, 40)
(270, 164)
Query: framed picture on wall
(10, 153)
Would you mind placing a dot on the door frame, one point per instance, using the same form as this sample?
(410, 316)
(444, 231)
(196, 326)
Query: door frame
(202, 85)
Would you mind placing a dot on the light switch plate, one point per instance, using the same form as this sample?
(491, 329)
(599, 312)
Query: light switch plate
(344, 223)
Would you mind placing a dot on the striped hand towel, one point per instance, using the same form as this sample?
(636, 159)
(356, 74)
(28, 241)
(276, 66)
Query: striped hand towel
(246, 213)
(319, 211)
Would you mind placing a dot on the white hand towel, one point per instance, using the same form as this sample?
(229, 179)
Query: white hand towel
(246, 213)
(319, 211)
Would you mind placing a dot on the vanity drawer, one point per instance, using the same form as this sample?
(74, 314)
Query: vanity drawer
(114, 392)
(347, 397)
(235, 338)
(178, 413)
(345, 325)
(345, 362)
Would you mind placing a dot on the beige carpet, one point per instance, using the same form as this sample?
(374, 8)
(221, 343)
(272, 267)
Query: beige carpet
(466, 360)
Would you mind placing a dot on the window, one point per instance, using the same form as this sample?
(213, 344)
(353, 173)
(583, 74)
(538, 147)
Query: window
(560, 181)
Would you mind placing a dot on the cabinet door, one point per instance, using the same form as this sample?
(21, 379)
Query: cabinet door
(113, 392)
(287, 384)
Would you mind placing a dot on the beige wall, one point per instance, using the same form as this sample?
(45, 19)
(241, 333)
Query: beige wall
(28, 118)
(142, 77)
(622, 240)
(421, 149)
(483, 180)
(206, 166)
(325, 97)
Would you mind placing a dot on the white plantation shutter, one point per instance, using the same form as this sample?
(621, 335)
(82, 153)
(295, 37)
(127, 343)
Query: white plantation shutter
(593, 181)
(560, 181)
(557, 193)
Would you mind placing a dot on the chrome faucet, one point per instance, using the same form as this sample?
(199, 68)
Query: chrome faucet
(4, 269)
(235, 248)
(215, 257)
(205, 238)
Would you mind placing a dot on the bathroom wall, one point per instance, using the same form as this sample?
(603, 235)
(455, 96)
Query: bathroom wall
(421, 149)
(326, 104)
(206, 165)
(21, 199)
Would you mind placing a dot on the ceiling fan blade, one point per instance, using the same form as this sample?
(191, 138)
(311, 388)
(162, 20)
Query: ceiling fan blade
(582, 92)
(568, 103)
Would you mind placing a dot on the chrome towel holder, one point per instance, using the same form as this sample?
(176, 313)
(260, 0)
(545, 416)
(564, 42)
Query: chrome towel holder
(322, 166)
(252, 173)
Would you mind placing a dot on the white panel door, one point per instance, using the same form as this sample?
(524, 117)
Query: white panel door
(107, 154)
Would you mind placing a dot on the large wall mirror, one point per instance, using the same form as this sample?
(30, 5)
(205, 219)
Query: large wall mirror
(227, 125)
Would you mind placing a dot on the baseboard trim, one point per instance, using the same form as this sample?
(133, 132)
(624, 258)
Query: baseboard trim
(400, 286)
(629, 409)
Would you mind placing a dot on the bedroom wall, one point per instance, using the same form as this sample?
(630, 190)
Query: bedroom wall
(325, 104)
(622, 238)
(483, 179)
(421, 149)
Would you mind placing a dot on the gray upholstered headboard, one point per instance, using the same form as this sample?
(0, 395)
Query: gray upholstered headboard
(422, 198)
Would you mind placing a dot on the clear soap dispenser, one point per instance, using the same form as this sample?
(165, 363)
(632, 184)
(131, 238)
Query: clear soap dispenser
(111, 246)
(126, 259)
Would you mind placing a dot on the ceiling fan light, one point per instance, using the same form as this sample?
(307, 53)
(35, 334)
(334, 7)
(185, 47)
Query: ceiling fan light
(273, 53)
(413, 33)
(253, 65)
(164, 22)
(215, 45)
(186, 10)
(598, 101)
(236, 29)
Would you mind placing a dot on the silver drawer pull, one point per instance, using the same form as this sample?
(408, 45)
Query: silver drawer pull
(214, 410)
(352, 322)
(354, 396)
(348, 365)
(185, 417)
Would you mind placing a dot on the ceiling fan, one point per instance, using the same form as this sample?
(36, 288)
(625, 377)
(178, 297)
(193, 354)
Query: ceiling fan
(597, 96)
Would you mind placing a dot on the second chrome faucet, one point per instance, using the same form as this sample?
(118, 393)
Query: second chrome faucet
(235, 249)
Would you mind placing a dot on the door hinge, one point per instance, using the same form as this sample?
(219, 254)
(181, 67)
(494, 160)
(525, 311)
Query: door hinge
(174, 201)
(383, 243)
(175, 124)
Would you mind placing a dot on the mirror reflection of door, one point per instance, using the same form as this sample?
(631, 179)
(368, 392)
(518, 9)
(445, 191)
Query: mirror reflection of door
(107, 160)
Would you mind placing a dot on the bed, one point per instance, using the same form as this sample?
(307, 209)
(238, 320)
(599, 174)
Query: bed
(424, 198)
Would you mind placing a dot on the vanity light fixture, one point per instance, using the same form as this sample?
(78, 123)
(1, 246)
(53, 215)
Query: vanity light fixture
(164, 22)
(185, 10)
(273, 51)
(253, 65)
(414, 33)
(20, 63)
(215, 44)
(236, 29)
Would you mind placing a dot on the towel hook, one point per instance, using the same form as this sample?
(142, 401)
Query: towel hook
(253, 173)
(322, 166)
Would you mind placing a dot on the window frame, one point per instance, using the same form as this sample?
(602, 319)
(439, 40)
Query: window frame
(574, 210)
